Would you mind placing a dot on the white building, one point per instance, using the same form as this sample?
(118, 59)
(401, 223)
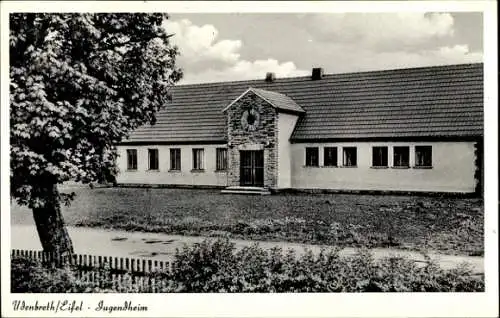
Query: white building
(405, 130)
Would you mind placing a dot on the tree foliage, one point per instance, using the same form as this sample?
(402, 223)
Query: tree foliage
(79, 83)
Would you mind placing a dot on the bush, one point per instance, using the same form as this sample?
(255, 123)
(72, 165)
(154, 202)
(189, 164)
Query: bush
(30, 276)
(215, 266)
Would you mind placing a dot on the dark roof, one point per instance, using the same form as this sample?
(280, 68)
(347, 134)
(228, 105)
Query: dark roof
(279, 101)
(276, 100)
(437, 101)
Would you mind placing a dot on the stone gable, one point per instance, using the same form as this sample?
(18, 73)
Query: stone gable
(264, 137)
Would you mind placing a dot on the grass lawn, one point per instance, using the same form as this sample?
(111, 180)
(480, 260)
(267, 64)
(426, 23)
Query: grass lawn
(449, 225)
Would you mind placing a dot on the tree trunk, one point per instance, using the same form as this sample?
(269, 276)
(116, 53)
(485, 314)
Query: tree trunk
(50, 224)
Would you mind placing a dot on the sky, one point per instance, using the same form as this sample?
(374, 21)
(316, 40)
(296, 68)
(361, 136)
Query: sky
(237, 46)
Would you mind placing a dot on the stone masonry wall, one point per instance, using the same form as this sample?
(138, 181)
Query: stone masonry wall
(264, 137)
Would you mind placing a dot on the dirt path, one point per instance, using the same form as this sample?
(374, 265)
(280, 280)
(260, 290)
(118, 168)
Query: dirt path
(162, 246)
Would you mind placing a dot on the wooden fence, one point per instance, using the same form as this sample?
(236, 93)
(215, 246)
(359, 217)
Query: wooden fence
(117, 273)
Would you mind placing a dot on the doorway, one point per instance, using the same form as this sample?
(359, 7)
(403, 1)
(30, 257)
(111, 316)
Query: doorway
(252, 168)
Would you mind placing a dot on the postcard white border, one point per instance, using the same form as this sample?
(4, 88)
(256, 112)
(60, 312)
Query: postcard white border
(280, 305)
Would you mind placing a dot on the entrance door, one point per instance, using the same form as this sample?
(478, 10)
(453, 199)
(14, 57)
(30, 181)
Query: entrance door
(252, 168)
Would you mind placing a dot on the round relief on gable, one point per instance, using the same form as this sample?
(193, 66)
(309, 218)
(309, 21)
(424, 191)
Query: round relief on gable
(250, 119)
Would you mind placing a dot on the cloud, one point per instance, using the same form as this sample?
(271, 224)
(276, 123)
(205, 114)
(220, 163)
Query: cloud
(441, 56)
(205, 58)
(377, 41)
(246, 70)
(199, 44)
(381, 31)
(374, 60)
(337, 42)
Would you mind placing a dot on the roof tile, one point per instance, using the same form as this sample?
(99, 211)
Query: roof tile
(437, 101)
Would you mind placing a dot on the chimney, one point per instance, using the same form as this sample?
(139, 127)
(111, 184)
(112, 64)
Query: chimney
(317, 73)
(270, 77)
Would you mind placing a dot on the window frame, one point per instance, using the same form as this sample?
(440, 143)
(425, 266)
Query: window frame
(157, 161)
(344, 163)
(333, 150)
(423, 166)
(221, 164)
(175, 159)
(307, 157)
(376, 151)
(134, 162)
(198, 162)
(394, 159)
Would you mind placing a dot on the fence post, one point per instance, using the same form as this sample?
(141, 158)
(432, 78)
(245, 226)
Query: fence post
(94, 273)
(59, 259)
(150, 271)
(114, 277)
(122, 267)
(113, 281)
(85, 266)
(107, 265)
(50, 259)
(145, 275)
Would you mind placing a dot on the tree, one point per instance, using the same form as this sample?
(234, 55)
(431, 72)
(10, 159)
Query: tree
(79, 84)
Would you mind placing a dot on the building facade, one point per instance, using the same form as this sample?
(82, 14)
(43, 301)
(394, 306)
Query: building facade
(410, 130)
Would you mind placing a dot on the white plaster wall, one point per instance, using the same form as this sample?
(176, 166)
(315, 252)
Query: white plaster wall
(452, 171)
(286, 124)
(185, 176)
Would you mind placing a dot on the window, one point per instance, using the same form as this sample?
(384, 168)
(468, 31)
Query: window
(175, 159)
(423, 156)
(153, 159)
(330, 157)
(312, 157)
(350, 157)
(379, 157)
(131, 159)
(221, 159)
(401, 156)
(198, 159)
